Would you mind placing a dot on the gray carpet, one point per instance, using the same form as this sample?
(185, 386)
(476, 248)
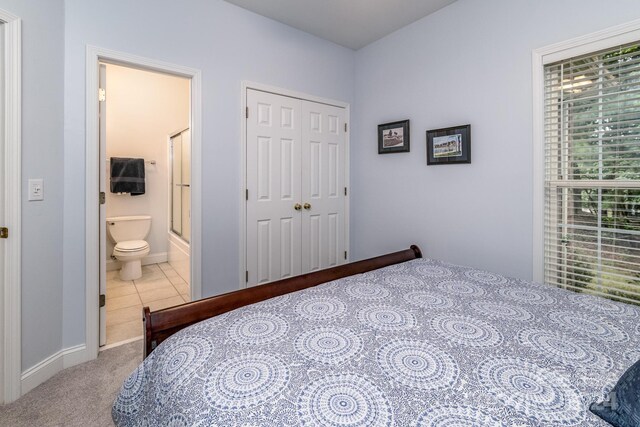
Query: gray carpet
(78, 396)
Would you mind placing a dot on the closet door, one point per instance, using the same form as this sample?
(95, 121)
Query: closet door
(273, 184)
(323, 184)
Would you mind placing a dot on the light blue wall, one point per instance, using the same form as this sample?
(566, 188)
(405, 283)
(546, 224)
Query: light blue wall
(42, 157)
(467, 63)
(229, 45)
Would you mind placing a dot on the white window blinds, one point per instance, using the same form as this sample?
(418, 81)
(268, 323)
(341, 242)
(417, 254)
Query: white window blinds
(592, 173)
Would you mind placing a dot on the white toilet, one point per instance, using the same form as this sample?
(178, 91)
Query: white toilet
(128, 233)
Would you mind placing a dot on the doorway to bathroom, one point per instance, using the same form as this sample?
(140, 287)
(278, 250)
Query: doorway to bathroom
(145, 176)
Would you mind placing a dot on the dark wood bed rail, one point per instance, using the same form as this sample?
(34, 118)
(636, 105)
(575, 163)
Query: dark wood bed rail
(161, 324)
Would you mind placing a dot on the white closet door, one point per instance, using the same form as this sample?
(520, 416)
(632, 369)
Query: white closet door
(273, 184)
(323, 183)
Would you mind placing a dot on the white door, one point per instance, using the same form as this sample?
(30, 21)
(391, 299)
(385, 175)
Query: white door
(323, 186)
(273, 186)
(295, 165)
(102, 170)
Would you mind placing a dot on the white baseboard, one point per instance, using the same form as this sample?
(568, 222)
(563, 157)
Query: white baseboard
(36, 375)
(156, 258)
(113, 265)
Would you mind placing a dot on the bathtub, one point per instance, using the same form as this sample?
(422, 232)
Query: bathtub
(179, 257)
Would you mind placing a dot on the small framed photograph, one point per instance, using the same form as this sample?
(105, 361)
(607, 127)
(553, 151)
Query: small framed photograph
(449, 145)
(393, 137)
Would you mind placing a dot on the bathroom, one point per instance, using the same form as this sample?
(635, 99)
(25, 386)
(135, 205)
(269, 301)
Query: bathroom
(146, 144)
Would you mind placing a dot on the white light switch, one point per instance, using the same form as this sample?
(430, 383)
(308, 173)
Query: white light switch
(36, 189)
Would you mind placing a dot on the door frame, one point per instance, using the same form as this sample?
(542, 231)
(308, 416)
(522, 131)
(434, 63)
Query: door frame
(94, 56)
(246, 85)
(10, 281)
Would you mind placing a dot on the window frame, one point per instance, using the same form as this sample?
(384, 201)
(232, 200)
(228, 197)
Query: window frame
(591, 43)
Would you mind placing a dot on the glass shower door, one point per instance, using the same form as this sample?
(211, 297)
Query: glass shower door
(180, 184)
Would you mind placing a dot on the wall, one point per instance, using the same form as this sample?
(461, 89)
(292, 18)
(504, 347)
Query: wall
(467, 63)
(143, 109)
(42, 157)
(229, 45)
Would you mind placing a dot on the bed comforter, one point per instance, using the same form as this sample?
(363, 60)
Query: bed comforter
(422, 343)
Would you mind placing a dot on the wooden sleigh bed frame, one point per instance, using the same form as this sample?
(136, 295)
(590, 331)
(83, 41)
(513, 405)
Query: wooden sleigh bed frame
(160, 325)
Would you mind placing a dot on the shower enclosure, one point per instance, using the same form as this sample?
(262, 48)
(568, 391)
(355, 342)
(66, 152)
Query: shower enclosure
(180, 184)
(180, 206)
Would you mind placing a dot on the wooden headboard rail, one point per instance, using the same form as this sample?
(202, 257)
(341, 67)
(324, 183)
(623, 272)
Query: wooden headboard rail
(161, 324)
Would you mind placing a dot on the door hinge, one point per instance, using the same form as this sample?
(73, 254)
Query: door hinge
(102, 302)
(102, 95)
(4, 233)
(345, 127)
(246, 194)
(345, 191)
(345, 254)
(246, 276)
(246, 112)
(102, 198)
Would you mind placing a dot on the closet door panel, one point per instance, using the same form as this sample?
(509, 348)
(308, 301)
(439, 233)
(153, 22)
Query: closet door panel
(313, 240)
(323, 181)
(273, 184)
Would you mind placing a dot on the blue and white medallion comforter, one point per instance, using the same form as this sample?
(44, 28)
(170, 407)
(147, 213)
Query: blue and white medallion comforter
(421, 343)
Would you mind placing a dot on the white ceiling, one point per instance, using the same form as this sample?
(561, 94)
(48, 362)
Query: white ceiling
(350, 23)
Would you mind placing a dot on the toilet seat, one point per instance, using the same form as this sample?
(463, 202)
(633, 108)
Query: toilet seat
(129, 246)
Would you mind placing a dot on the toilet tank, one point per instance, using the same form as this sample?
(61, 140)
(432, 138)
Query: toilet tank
(134, 227)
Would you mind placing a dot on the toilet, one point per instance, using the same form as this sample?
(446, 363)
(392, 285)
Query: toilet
(128, 233)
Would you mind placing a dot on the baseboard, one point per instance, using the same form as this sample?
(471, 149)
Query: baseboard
(39, 373)
(74, 356)
(113, 265)
(156, 258)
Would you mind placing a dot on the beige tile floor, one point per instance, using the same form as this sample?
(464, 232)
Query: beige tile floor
(159, 287)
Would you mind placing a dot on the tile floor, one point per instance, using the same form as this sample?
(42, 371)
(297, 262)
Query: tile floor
(159, 287)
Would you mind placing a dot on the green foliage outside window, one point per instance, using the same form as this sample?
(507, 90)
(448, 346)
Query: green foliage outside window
(603, 117)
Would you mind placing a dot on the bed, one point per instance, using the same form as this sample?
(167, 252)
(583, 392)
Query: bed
(395, 340)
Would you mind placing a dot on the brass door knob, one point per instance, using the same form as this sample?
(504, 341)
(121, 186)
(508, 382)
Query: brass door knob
(307, 206)
(297, 206)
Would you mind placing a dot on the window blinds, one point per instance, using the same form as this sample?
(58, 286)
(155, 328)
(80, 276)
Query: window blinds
(592, 173)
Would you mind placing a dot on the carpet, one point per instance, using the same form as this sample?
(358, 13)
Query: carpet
(78, 396)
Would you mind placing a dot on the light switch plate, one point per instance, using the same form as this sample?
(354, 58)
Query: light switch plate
(36, 189)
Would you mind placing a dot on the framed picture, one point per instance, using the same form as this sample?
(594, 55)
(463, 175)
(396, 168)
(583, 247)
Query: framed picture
(393, 137)
(449, 145)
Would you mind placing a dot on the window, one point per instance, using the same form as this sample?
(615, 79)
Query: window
(592, 173)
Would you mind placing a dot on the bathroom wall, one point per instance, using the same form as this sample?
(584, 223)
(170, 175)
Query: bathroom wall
(143, 108)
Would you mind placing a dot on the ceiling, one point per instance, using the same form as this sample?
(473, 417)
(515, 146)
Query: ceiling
(350, 23)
